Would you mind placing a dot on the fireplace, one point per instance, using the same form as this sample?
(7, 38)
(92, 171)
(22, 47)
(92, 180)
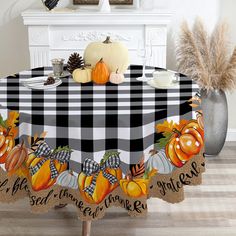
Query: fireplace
(58, 34)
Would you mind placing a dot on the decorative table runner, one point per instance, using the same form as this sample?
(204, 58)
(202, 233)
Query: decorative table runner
(99, 146)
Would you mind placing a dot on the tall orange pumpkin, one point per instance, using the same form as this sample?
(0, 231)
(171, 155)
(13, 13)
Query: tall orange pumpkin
(185, 143)
(42, 179)
(103, 186)
(7, 142)
(100, 73)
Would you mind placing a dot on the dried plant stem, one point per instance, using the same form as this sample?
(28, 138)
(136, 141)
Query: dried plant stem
(205, 59)
(188, 56)
(202, 42)
(219, 49)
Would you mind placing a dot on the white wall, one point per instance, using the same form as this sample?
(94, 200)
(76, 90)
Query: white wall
(188, 10)
(14, 54)
(228, 14)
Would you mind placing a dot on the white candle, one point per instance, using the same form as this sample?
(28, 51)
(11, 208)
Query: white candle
(104, 6)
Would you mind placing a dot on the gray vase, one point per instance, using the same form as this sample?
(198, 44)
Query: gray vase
(215, 112)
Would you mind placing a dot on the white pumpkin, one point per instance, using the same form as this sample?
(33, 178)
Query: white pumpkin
(116, 78)
(160, 162)
(67, 179)
(114, 54)
(82, 75)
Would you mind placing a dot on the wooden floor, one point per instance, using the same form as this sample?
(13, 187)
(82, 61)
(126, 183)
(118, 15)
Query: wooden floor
(209, 209)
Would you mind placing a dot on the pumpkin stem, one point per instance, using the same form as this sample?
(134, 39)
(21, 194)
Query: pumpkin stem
(153, 152)
(129, 176)
(22, 144)
(107, 155)
(8, 131)
(199, 112)
(108, 40)
(86, 65)
(83, 67)
(117, 70)
(176, 131)
(101, 60)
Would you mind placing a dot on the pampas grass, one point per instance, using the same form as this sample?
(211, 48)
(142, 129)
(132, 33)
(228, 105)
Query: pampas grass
(205, 58)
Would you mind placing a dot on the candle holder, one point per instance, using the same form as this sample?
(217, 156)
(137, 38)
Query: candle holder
(58, 66)
(104, 6)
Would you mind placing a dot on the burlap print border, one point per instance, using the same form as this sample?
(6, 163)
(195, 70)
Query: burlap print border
(169, 187)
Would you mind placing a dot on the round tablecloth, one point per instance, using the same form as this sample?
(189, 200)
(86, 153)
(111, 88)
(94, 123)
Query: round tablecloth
(97, 146)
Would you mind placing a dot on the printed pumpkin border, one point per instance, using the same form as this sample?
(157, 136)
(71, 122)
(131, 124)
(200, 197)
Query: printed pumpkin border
(44, 167)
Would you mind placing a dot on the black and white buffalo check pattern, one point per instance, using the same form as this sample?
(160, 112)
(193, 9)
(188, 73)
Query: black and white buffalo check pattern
(92, 118)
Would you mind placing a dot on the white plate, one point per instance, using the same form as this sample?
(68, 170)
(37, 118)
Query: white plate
(64, 74)
(34, 80)
(39, 84)
(153, 84)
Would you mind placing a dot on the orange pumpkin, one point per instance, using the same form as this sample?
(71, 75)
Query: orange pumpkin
(134, 187)
(16, 157)
(42, 179)
(7, 142)
(185, 143)
(100, 73)
(103, 186)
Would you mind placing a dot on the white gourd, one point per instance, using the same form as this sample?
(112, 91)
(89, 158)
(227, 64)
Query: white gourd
(114, 54)
(116, 78)
(160, 162)
(67, 179)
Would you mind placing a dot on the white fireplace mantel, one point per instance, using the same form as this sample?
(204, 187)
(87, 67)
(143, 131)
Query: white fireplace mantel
(58, 34)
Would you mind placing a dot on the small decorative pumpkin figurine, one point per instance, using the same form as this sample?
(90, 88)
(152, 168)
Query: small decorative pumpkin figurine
(134, 187)
(136, 182)
(16, 157)
(159, 162)
(7, 143)
(103, 186)
(42, 179)
(114, 54)
(116, 78)
(8, 133)
(67, 179)
(185, 143)
(82, 75)
(100, 74)
(99, 180)
(45, 165)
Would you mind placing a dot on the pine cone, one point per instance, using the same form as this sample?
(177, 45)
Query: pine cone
(75, 61)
